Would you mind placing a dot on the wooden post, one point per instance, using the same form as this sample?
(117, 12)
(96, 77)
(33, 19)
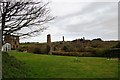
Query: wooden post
(49, 46)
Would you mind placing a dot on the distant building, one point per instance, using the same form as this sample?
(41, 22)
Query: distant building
(6, 47)
(13, 40)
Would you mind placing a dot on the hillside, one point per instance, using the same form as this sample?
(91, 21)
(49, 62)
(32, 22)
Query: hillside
(80, 47)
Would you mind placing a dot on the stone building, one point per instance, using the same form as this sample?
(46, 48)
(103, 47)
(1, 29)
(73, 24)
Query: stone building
(13, 40)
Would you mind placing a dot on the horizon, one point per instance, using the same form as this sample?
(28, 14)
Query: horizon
(69, 40)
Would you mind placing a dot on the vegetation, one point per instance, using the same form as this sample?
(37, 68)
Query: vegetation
(51, 66)
(94, 48)
(13, 68)
(117, 46)
(33, 48)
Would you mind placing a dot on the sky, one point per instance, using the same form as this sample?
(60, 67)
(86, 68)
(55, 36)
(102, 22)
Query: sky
(75, 19)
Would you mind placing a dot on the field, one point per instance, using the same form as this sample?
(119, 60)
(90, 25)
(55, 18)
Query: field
(51, 66)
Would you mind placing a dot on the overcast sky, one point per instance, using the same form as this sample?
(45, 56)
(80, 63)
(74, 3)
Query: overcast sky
(77, 18)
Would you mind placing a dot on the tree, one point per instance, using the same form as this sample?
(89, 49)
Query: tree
(117, 45)
(28, 15)
(97, 39)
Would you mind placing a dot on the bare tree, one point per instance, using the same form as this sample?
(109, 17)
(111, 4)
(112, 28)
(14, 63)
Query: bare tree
(30, 16)
(23, 17)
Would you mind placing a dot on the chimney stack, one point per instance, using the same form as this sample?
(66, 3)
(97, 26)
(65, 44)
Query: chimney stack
(49, 46)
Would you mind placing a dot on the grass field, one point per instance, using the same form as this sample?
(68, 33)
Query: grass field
(51, 66)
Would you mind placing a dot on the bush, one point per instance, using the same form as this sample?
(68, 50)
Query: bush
(37, 49)
(98, 52)
(22, 49)
(69, 48)
(113, 53)
(117, 46)
(80, 54)
(66, 49)
(92, 52)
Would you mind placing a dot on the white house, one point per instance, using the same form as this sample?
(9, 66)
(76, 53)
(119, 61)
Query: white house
(6, 47)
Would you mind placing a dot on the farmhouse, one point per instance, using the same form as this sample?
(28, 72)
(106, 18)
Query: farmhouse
(13, 40)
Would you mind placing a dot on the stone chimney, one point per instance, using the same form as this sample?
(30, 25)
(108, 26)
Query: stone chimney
(49, 45)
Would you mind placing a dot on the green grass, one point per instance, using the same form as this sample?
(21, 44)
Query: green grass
(13, 68)
(51, 66)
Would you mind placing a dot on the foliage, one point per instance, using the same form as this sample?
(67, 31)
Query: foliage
(80, 54)
(117, 45)
(66, 48)
(37, 49)
(114, 51)
(82, 48)
(97, 39)
(22, 49)
(90, 53)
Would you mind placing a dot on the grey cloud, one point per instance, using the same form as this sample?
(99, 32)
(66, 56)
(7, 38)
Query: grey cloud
(86, 10)
(90, 9)
(108, 14)
(104, 24)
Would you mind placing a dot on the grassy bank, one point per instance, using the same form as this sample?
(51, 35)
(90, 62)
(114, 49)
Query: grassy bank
(13, 68)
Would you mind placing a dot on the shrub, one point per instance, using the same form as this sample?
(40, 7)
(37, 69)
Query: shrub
(21, 49)
(65, 48)
(117, 45)
(98, 52)
(112, 53)
(80, 54)
(37, 50)
(69, 48)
